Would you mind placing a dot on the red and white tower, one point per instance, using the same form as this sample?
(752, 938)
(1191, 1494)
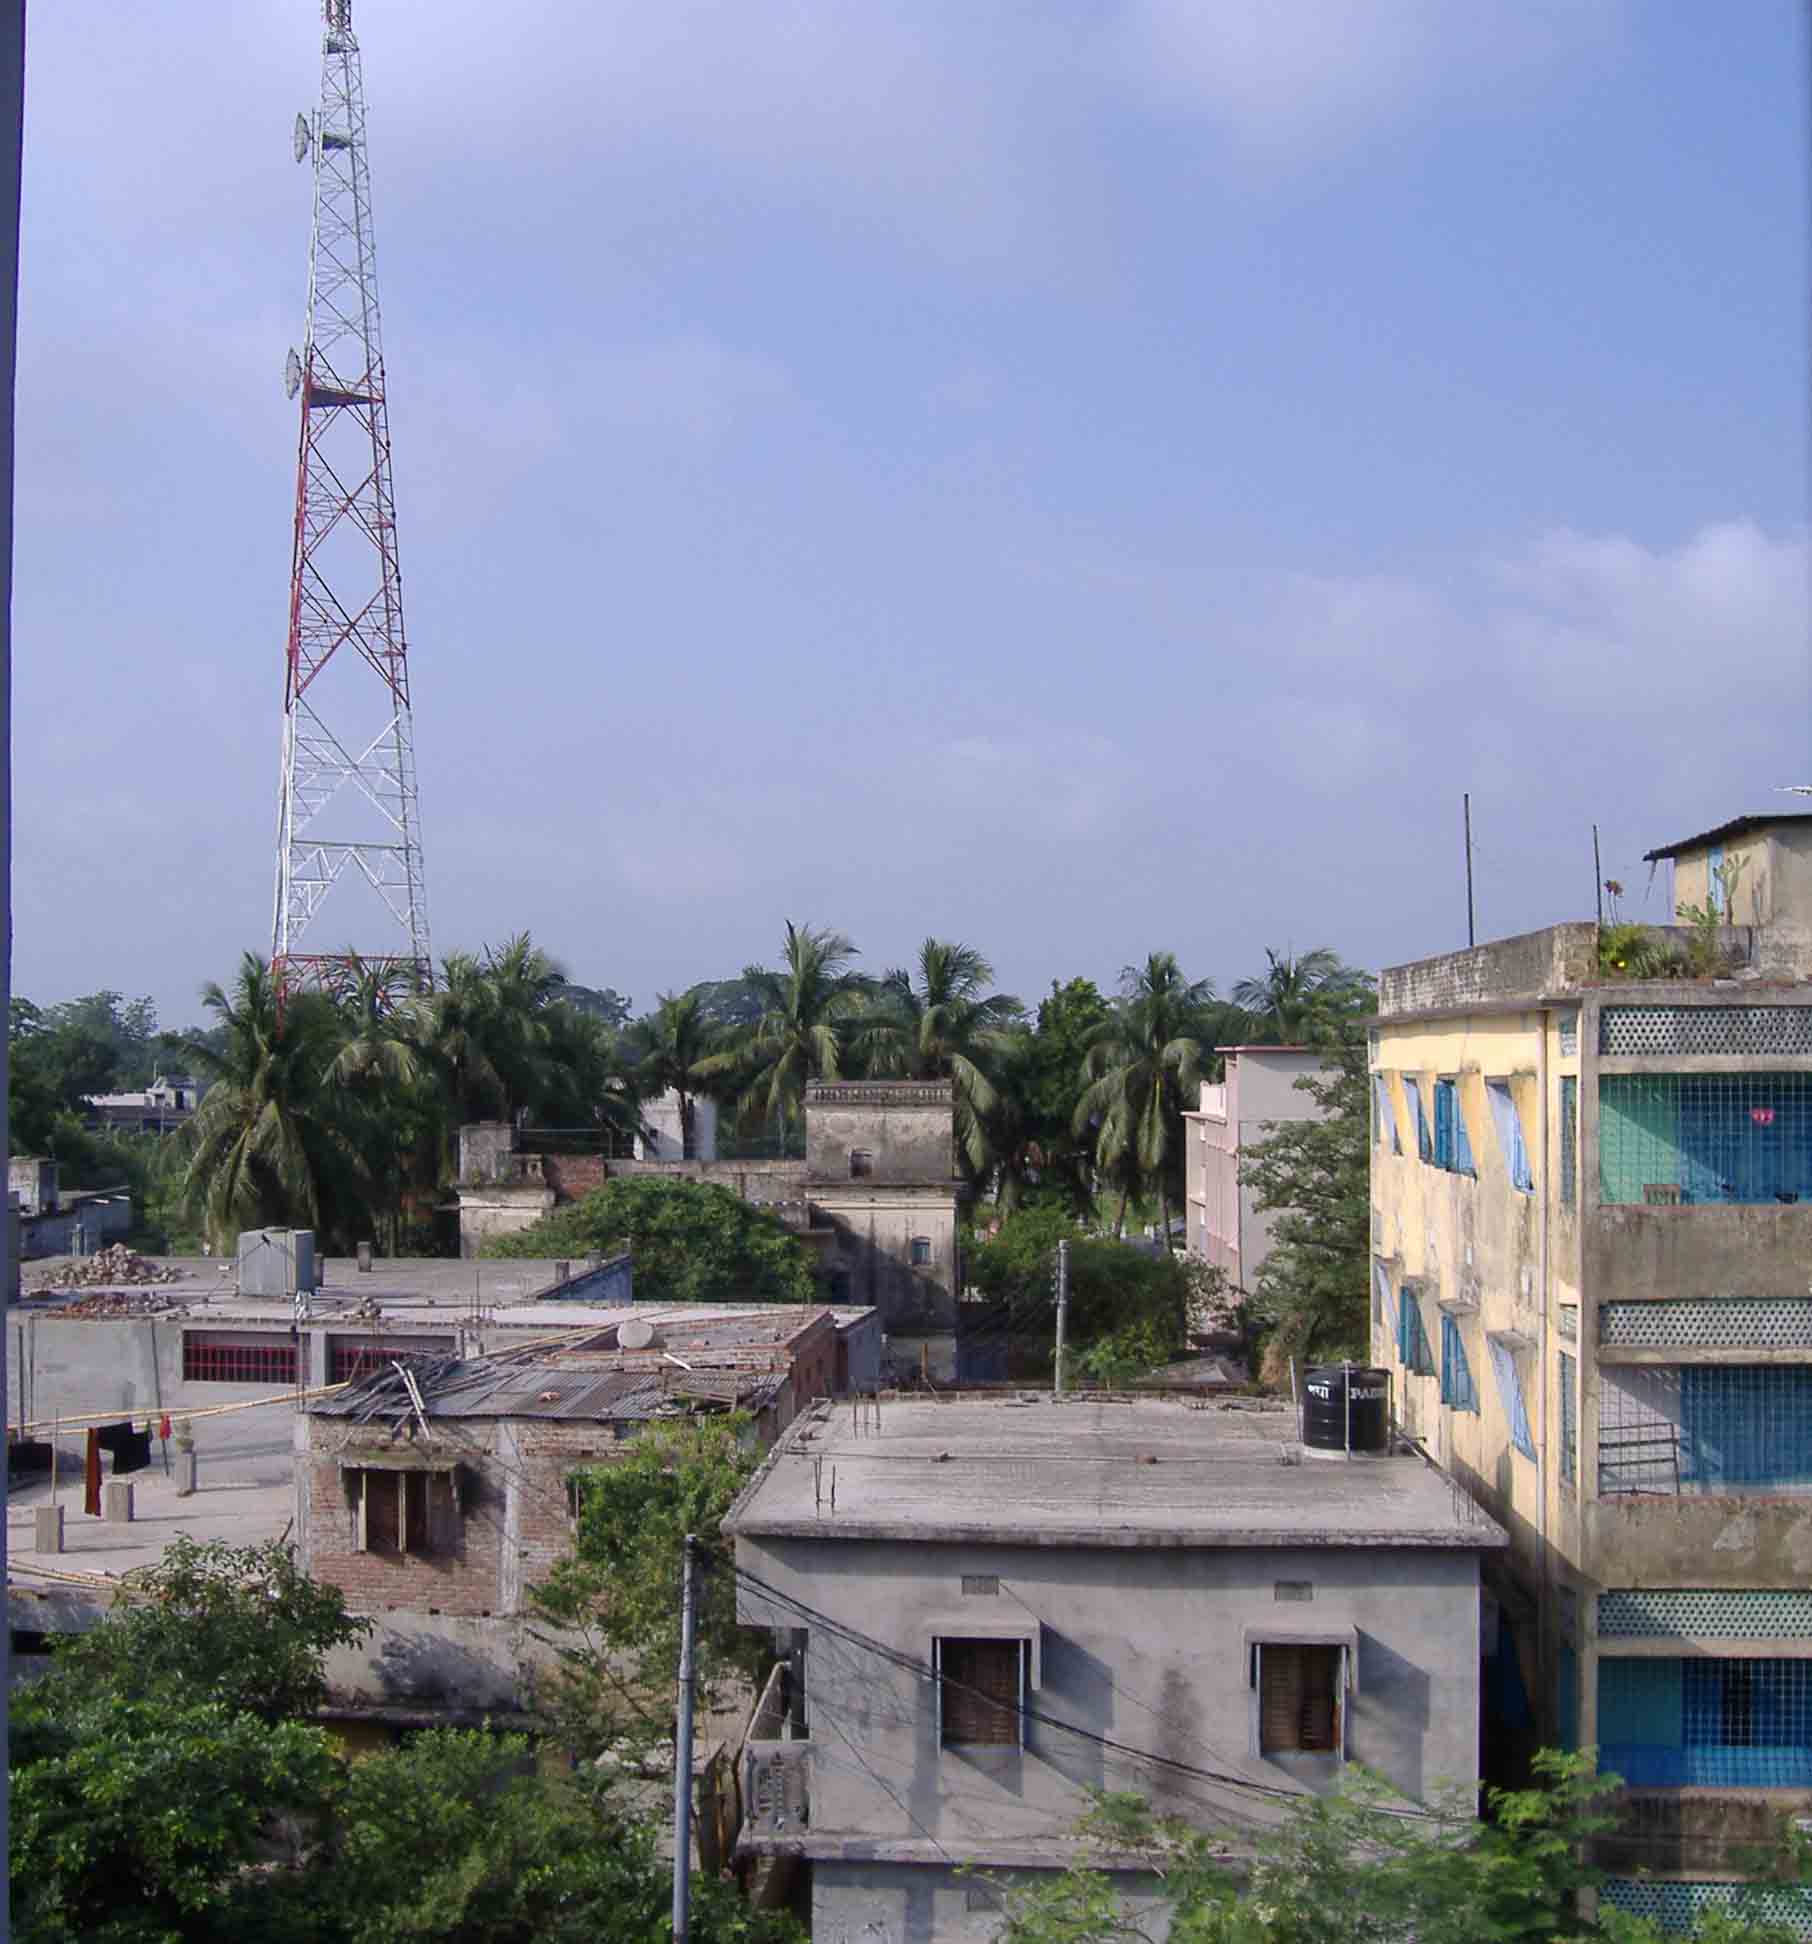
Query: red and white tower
(348, 779)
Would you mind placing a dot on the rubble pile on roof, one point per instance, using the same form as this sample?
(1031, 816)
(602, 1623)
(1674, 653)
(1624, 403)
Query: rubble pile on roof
(108, 1268)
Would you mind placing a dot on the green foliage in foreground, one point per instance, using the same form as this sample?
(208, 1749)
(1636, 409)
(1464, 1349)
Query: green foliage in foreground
(1363, 1867)
(694, 1242)
(158, 1799)
(617, 1594)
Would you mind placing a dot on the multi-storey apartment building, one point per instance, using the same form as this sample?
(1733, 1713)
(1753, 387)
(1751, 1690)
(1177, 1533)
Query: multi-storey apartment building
(1592, 1244)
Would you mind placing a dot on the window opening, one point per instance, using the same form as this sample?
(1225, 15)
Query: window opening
(921, 1251)
(1412, 1092)
(1706, 1723)
(1569, 1139)
(1385, 1115)
(1510, 1394)
(1569, 1419)
(981, 1692)
(1705, 1430)
(1457, 1388)
(1452, 1142)
(861, 1163)
(1510, 1136)
(1684, 1138)
(350, 1358)
(227, 1357)
(1384, 1310)
(1413, 1350)
(1299, 1698)
(399, 1512)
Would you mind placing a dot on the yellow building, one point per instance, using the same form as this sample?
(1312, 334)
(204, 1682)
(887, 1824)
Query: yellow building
(1592, 1244)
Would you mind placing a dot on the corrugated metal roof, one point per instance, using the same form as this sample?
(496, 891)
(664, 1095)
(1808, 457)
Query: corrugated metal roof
(1736, 827)
(489, 1387)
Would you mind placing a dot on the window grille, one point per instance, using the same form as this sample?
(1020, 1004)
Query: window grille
(1704, 1723)
(981, 1696)
(1682, 1906)
(1510, 1394)
(1704, 1613)
(1569, 1035)
(1708, 1323)
(1705, 1137)
(237, 1357)
(1413, 1351)
(1385, 1131)
(1457, 1388)
(1569, 1419)
(1293, 1590)
(1510, 1136)
(350, 1358)
(1569, 1139)
(1412, 1092)
(1630, 1032)
(1452, 1142)
(981, 1583)
(1705, 1430)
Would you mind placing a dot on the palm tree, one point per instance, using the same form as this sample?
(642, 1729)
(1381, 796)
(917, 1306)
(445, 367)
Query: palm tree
(270, 1146)
(669, 1049)
(378, 1071)
(1298, 994)
(488, 1029)
(807, 1009)
(946, 1025)
(1142, 1067)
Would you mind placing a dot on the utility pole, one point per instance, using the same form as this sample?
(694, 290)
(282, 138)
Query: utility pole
(682, 1752)
(1466, 812)
(1063, 1311)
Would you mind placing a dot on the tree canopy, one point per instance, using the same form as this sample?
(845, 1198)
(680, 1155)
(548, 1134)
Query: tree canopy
(694, 1241)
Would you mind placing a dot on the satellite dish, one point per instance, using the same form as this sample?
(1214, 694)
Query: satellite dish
(302, 137)
(637, 1334)
(292, 374)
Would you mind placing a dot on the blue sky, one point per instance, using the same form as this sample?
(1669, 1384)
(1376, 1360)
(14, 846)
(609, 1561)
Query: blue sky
(1076, 477)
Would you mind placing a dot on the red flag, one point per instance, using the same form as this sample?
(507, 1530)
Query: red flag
(163, 1427)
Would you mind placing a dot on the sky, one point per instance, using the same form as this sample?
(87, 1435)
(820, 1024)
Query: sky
(1080, 477)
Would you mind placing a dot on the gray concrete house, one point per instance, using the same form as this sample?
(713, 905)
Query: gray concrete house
(995, 1607)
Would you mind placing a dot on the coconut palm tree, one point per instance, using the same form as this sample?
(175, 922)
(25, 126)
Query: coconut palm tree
(1298, 994)
(943, 1023)
(380, 1073)
(667, 1051)
(271, 1147)
(1142, 1067)
(808, 1009)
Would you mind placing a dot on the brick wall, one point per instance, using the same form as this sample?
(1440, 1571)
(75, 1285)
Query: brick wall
(573, 1175)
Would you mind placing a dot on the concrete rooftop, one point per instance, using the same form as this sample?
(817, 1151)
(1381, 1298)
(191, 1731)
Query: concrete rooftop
(1089, 1472)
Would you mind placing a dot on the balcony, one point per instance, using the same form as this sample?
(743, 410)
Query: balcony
(776, 1767)
(1684, 1140)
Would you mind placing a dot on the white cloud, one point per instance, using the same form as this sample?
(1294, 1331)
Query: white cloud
(1315, 74)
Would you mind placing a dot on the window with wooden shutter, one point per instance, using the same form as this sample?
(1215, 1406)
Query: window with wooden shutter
(980, 1691)
(1299, 1699)
(396, 1511)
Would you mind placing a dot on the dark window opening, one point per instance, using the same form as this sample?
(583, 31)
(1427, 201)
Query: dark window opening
(350, 1358)
(1298, 1699)
(861, 1163)
(921, 1251)
(981, 1582)
(404, 1512)
(979, 1692)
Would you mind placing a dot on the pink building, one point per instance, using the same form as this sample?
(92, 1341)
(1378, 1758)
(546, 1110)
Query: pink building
(1225, 1227)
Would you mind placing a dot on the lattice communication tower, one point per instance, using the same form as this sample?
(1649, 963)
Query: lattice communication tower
(348, 793)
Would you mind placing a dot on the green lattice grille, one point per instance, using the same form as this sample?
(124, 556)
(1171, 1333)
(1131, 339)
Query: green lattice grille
(1680, 1906)
(1688, 1138)
(1711, 1613)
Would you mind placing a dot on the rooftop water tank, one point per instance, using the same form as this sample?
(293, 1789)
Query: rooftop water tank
(1345, 1411)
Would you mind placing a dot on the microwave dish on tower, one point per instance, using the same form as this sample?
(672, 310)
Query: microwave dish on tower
(347, 820)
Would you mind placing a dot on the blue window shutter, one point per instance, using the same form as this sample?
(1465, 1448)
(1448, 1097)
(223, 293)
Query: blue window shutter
(1510, 1136)
(1443, 1123)
(1462, 1135)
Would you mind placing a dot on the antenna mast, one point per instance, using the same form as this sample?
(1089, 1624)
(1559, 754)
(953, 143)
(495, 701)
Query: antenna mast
(347, 795)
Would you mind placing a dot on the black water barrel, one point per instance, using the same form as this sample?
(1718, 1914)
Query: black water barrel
(1346, 1407)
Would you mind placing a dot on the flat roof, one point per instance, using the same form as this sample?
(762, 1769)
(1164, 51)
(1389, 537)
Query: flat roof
(1090, 1471)
(1736, 827)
